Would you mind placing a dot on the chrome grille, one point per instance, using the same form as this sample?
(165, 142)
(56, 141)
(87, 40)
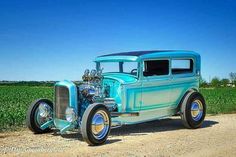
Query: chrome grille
(61, 101)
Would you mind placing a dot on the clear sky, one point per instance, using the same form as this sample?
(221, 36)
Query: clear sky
(59, 39)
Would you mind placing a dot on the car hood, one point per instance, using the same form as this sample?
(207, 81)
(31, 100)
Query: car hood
(121, 77)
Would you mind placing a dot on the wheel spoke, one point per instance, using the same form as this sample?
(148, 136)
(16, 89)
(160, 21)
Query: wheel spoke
(46, 125)
(43, 116)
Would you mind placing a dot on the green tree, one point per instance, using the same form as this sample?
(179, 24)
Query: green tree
(225, 82)
(215, 82)
(232, 77)
(203, 83)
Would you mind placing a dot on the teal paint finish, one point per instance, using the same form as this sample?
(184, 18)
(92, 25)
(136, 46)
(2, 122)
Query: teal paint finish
(117, 59)
(46, 125)
(115, 90)
(158, 54)
(168, 90)
(179, 86)
(121, 77)
(64, 125)
(154, 97)
(171, 54)
(155, 92)
(72, 92)
(133, 98)
(118, 82)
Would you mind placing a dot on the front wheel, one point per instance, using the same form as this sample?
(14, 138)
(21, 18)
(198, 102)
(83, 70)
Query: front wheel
(193, 110)
(39, 116)
(96, 124)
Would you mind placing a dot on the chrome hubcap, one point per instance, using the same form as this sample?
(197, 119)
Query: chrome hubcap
(100, 124)
(43, 114)
(196, 110)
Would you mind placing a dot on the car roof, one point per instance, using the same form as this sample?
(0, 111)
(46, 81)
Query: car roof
(136, 55)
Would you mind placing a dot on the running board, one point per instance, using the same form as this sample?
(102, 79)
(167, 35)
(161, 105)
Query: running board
(116, 124)
(124, 114)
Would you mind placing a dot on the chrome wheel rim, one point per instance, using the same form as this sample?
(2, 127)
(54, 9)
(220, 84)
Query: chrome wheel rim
(100, 125)
(43, 114)
(196, 110)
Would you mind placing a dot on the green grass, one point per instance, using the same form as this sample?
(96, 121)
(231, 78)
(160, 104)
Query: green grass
(220, 100)
(14, 102)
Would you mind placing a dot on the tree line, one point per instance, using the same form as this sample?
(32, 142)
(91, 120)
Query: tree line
(27, 83)
(32, 83)
(217, 82)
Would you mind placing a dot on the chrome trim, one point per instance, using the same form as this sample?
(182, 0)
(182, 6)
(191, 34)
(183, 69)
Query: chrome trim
(100, 124)
(71, 115)
(196, 110)
(61, 101)
(43, 115)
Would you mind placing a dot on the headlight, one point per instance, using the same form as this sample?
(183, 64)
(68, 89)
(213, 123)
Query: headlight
(70, 115)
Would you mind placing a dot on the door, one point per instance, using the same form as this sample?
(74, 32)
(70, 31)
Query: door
(155, 84)
(183, 78)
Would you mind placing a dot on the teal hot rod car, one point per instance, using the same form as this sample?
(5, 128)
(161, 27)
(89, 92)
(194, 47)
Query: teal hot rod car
(126, 88)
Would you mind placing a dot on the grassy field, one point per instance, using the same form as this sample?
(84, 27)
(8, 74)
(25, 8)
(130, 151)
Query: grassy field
(14, 101)
(220, 100)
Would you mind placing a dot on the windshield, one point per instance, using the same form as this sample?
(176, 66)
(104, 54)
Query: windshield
(119, 67)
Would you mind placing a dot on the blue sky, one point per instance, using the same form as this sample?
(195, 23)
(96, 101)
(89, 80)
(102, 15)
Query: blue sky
(56, 39)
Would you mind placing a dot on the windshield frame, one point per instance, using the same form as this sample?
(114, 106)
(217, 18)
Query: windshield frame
(121, 68)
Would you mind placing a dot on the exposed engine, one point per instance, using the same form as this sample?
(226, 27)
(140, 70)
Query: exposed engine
(92, 86)
(93, 91)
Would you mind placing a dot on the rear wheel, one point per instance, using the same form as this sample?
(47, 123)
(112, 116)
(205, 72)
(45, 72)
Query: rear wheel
(193, 110)
(96, 124)
(38, 116)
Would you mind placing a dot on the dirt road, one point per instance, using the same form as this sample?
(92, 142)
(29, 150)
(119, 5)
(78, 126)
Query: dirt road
(162, 138)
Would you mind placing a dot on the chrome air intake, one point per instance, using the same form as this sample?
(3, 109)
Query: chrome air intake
(61, 101)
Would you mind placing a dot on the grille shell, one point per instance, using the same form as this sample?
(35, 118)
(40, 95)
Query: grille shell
(61, 101)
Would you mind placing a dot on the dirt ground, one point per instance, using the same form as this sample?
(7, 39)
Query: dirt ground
(161, 138)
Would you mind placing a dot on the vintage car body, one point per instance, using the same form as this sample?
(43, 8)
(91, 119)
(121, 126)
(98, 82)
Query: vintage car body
(154, 90)
(137, 94)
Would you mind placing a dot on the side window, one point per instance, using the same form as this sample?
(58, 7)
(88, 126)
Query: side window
(156, 68)
(181, 66)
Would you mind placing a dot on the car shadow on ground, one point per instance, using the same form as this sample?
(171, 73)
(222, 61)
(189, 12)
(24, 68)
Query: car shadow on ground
(141, 129)
(155, 126)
